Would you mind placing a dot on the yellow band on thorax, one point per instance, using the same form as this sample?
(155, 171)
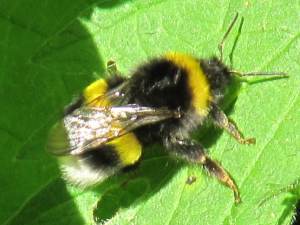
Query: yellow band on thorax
(197, 81)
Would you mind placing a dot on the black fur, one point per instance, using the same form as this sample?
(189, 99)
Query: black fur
(131, 168)
(115, 81)
(159, 83)
(104, 156)
(217, 74)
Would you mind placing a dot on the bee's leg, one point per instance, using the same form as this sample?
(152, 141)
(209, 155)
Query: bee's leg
(221, 120)
(111, 67)
(115, 77)
(193, 152)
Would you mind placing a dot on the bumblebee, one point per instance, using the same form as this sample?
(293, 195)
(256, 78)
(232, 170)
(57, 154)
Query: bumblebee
(163, 101)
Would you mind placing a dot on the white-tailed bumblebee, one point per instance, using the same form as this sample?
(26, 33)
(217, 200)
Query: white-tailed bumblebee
(163, 101)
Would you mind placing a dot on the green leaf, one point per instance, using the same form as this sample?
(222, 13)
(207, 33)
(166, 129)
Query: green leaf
(51, 50)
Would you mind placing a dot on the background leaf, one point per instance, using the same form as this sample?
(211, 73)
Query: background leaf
(50, 50)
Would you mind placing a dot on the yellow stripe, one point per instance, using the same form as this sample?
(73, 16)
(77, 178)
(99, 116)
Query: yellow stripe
(197, 80)
(127, 146)
(94, 94)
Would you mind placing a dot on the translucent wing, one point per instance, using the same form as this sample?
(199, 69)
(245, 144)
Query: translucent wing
(87, 128)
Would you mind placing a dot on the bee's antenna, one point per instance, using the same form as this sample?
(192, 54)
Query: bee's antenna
(258, 73)
(221, 44)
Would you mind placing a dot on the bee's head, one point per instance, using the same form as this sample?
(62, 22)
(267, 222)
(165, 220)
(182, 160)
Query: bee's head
(217, 73)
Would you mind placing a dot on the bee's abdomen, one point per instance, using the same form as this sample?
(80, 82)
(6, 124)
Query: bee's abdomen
(101, 157)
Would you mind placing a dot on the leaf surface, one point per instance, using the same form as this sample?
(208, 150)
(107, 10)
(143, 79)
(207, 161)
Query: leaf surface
(50, 51)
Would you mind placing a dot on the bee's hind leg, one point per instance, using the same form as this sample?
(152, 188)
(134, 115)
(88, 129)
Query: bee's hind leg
(193, 152)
